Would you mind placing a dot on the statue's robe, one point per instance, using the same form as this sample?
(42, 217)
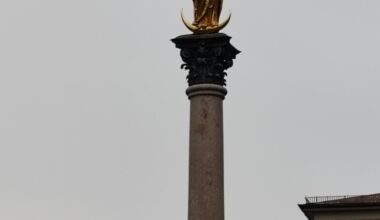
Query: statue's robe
(207, 13)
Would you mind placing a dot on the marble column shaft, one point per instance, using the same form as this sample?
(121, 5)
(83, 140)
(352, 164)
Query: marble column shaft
(206, 188)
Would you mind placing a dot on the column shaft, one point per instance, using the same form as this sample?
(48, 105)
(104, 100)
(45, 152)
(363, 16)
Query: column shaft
(206, 187)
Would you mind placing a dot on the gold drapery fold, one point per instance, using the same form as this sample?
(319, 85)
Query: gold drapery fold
(207, 13)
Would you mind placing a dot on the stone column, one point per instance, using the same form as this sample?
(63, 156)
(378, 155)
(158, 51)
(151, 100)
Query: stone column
(206, 191)
(206, 57)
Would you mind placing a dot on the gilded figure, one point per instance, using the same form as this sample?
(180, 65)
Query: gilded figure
(206, 17)
(207, 13)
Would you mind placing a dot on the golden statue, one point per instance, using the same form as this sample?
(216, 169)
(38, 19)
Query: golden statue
(206, 17)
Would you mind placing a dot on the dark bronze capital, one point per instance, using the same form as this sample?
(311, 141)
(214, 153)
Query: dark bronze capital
(206, 57)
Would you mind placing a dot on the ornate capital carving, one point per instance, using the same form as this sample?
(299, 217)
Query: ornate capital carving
(206, 57)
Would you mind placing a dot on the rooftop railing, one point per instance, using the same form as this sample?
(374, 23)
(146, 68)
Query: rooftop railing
(318, 199)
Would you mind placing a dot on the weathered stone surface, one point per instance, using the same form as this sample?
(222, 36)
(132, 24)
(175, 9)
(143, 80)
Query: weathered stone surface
(206, 189)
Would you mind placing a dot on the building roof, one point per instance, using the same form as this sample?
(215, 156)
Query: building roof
(336, 203)
(326, 203)
(373, 198)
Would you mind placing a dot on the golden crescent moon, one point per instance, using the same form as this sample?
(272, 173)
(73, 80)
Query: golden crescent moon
(189, 25)
(209, 30)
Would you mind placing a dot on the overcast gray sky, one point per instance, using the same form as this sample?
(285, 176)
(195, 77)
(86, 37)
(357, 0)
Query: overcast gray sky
(94, 118)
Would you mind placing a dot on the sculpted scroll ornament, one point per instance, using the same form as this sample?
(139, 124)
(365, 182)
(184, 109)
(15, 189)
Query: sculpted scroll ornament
(206, 57)
(206, 17)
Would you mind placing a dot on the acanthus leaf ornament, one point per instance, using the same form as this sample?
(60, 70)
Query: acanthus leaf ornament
(206, 57)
